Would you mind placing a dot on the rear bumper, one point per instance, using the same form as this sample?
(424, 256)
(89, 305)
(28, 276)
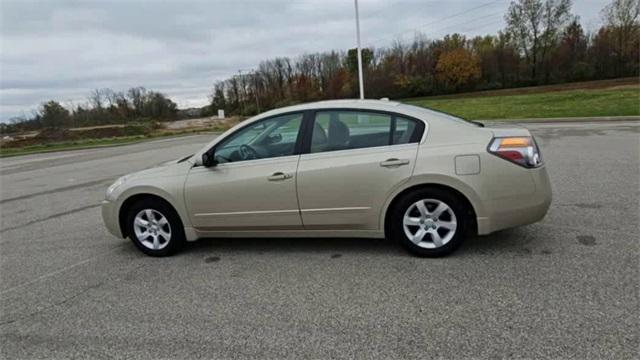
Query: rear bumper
(508, 212)
(110, 218)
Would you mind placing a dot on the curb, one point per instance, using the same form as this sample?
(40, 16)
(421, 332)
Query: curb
(567, 120)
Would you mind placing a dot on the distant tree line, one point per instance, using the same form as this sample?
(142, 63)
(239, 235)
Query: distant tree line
(103, 106)
(543, 43)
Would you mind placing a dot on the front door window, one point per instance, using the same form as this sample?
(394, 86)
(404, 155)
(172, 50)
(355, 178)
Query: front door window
(269, 138)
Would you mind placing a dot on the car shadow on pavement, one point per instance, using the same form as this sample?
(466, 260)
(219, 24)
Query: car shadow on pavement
(517, 241)
(293, 245)
(512, 241)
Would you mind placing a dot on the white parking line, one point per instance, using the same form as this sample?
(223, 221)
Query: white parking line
(56, 272)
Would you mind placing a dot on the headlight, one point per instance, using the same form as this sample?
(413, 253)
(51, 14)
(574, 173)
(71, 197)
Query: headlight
(114, 186)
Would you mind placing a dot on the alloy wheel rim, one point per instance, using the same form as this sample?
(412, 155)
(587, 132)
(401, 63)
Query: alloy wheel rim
(429, 223)
(152, 229)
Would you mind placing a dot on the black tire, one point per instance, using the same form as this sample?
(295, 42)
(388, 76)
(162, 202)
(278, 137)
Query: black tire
(176, 239)
(396, 230)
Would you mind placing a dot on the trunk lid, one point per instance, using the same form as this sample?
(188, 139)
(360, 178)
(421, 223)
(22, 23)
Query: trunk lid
(505, 130)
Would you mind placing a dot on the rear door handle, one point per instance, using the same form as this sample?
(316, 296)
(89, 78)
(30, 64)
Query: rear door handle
(279, 176)
(394, 162)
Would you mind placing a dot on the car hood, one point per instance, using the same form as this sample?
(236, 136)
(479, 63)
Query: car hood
(165, 168)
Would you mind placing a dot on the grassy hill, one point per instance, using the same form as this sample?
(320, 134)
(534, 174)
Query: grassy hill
(619, 97)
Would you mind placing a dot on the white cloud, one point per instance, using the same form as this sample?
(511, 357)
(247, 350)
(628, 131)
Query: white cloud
(62, 50)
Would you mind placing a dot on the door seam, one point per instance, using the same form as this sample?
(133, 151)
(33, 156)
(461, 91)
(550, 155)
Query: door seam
(298, 194)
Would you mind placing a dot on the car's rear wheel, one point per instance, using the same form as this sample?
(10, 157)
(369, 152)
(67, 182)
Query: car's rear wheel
(429, 222)
(155, 228)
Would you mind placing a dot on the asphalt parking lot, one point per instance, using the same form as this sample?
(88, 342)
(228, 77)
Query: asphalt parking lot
(566, 287)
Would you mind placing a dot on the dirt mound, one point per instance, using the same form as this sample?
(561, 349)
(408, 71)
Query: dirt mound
(53, 135)
(48, 136)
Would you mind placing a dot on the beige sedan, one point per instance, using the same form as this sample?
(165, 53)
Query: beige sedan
(346, 168)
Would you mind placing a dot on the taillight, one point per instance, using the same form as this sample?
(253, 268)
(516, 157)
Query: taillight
(521, 150)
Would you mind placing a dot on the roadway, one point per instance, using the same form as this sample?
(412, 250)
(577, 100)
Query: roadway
(564, 287)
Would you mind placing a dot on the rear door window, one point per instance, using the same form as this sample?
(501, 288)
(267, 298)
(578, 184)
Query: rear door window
(405, 131)
(349, 129)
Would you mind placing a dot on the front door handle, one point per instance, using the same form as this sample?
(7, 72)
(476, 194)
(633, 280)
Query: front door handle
(394, 162)
(279, 176)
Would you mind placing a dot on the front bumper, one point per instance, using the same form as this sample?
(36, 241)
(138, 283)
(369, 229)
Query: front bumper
(518, 210)
(110, 218)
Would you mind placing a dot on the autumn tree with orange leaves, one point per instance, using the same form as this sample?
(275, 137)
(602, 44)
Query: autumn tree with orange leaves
(458, 68)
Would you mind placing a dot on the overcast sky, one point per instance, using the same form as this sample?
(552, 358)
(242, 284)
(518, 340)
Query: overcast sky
(61, 50)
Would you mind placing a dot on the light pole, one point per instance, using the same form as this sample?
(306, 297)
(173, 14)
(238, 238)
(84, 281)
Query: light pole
(359, 53)
(240, 101)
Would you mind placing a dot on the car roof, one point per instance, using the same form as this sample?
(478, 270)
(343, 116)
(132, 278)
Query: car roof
(408, 110)
(366, 104)
(344, 103)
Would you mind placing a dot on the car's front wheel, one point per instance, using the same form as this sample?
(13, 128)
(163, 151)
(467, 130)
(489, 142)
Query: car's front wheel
(155, 228)
(429, 222)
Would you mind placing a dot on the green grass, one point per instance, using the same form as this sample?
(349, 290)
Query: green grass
(570, 103)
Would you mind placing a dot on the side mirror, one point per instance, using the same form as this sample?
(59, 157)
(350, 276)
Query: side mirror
(209, 159)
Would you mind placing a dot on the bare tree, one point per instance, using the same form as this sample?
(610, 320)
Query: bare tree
(535, 26)
(137, 96)
(96, 99)
(110, 97)
(556, 15)
(622, 13)
(621, 17)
